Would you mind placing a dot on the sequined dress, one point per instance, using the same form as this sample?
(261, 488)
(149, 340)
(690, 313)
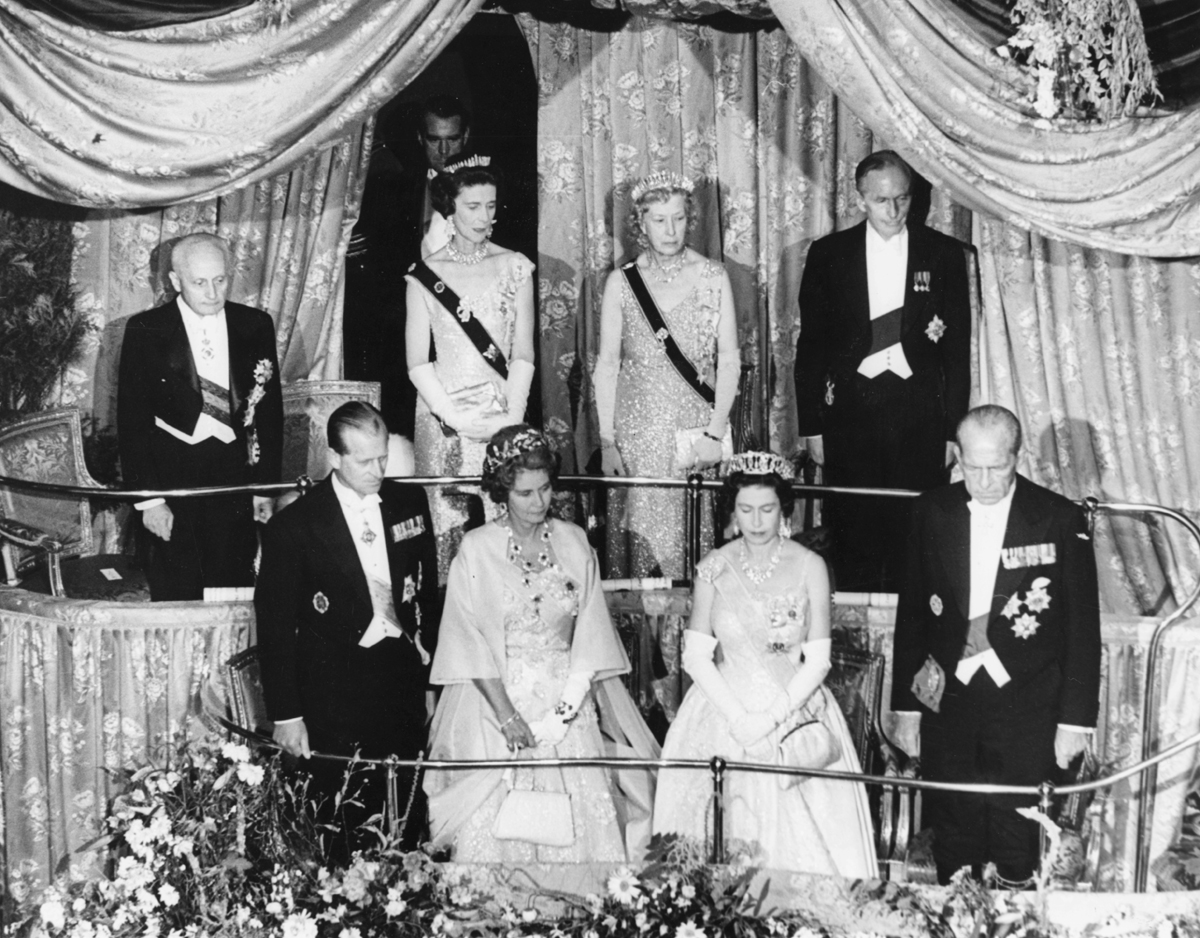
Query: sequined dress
(646, 525)
(460, 365)
(553, 622)
(818, 826)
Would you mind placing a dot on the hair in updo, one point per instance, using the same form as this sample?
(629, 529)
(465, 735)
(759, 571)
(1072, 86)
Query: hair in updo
(446, 186)
(639, 207)
(511, 450)
(736, 481)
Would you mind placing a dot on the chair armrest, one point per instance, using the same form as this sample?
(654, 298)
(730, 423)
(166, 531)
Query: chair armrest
(26, 535)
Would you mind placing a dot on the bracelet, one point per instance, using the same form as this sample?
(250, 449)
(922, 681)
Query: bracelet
(564, 711)
(515, 714)
(715, 439)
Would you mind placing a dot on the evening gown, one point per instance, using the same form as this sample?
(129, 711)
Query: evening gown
(818, 826)
(646, 525)
(460, 365)
(547, 624)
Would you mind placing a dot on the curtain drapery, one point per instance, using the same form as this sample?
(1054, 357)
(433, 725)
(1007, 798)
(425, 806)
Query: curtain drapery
(193, 111)
(920, 75)
(288, 236)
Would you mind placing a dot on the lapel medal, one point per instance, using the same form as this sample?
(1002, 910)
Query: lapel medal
(921, 280)
(410, 528)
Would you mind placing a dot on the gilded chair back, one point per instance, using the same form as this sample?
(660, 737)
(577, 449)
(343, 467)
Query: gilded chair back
(306, 409)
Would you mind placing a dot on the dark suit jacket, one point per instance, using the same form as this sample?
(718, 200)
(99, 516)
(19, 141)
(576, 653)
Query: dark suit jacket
(158, 379)
(1062, 646)
(835, 319)
(313, 605)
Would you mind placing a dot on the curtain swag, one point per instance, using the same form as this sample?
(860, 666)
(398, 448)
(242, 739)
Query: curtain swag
(186, 112)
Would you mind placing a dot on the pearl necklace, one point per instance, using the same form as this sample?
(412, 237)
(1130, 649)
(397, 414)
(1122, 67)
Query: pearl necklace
(468, 259)
(755, 575)
(666, 271)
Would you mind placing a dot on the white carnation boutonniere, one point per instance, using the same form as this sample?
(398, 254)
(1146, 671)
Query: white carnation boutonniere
(936, 329)
(263, 372)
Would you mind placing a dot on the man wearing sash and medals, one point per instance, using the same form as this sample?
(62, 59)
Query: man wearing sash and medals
(469, 346)
(996, 670)
(882, 368)
(665, 378)
(199, 404)
(345, 605)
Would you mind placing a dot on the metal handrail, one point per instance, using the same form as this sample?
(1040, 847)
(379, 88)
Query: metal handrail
(693, 487)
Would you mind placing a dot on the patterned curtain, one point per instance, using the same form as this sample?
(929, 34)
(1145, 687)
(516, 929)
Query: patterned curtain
(196, 110)
(289, 236)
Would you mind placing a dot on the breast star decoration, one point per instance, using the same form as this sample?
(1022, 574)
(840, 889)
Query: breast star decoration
(1036, 600)
(321, 603)
(410, 590)
(935, 603)
(936, 329)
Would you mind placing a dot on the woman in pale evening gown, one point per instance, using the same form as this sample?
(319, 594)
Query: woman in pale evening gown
(764, 600)
(530, 663)
(642, 399)
(471, 361)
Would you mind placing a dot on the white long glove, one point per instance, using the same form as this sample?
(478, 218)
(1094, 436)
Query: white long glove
(429, 386)
(516, 389)
(747, 728)
(806, 680)
(604, 389)
(551, 729)
(729, 374)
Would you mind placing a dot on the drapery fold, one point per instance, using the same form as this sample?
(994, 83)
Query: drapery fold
(924, 79)
(193, 111)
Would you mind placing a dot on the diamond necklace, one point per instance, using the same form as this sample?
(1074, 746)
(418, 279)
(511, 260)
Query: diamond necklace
(460, 258)
(666, 271)
(754, 574)
(543, 557)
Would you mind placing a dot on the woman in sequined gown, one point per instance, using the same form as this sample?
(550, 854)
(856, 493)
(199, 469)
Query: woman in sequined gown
(530, 664)
(463, 398)
(641, 399)
(765, 601)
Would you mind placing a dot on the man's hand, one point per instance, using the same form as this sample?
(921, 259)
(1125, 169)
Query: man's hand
(950, 454)
(293, 737)
(907, 733)
(264, 507)
(1068, 744)
(158, 521)
(816, 448)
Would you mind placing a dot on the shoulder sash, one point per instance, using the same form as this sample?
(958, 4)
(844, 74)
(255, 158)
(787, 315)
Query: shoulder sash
(654, 319)
(473, 328)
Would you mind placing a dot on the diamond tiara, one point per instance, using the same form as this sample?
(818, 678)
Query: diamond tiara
(524, 442)
(661, 180)
(469, 163)
(761, 464)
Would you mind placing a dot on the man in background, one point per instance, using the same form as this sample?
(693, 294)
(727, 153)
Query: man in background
(199, 404)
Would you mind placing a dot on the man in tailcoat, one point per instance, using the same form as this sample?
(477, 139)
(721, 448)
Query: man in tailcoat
(345, 623)
(199, 404)
(996, 669)
(882, 368)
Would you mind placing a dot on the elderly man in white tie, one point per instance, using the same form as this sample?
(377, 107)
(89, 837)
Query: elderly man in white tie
(346, 619)
(996, 668)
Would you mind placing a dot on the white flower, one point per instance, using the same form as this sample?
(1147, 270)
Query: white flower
(689, 930)
(250, 774)
(53, 914)
(235, 752)
(395, 905)
(623, 887)
(529, 915)
(168, 894)
(349, 933)
(299, 925)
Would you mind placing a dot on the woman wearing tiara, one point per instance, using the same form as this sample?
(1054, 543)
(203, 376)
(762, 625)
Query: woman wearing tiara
(665, 378)
(764, 600)
(469, 341)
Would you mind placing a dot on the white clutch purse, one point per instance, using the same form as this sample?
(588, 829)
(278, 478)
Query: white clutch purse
(685, 458)
(484, 398)
(535, 817)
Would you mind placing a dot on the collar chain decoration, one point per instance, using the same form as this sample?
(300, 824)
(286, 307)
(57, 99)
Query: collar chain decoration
(761, 464)
(661, 180)
(461, 257)
(524, 442)
(756, 575)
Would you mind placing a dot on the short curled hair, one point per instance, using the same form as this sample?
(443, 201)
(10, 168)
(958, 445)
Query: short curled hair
(736, 481)
(445, 187)
(639, 207)
(511, 450)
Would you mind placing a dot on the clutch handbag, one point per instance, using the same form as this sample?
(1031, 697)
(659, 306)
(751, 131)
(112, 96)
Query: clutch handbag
(483, 398)
(807, 743)
(684, 458)
(535, 817)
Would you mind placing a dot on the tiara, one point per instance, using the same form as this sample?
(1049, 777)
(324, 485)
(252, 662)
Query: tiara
(524, 442)
(469, 162)
(661, 180)
(761, 464)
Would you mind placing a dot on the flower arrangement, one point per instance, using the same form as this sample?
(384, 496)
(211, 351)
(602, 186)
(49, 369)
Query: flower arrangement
(1089, 56)
(218, 843)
